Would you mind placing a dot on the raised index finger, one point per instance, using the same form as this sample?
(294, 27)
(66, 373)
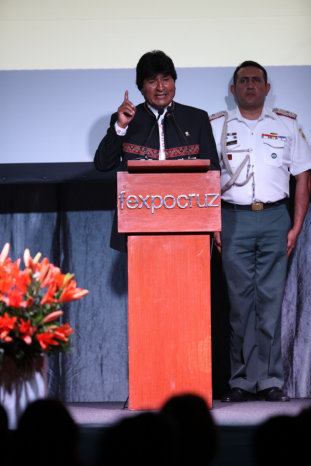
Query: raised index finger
(126, 96)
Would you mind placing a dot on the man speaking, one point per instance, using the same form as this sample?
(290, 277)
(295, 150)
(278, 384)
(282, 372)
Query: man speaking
(157, 129)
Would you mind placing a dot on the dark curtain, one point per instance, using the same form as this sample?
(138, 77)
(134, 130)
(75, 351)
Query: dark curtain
(296, 323)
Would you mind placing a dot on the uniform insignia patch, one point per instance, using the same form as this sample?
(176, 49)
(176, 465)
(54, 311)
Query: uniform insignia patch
(280, 111)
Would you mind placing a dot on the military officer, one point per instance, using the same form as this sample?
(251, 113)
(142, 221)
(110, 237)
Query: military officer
(259, 148)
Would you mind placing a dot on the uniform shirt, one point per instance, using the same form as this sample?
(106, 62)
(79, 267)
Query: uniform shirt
(271, 148)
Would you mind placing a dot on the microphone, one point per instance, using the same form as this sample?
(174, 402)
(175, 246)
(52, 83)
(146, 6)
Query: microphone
(160, 112)
(170, 112)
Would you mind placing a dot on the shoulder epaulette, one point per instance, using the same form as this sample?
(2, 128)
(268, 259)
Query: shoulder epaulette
(280, 111)
(214, 116)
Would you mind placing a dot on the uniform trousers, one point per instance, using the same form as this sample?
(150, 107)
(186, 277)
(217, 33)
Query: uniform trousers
(254, 261)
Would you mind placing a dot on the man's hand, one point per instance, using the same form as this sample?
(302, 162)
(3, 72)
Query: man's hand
(126, 112)
(291, 240)
(217, 240)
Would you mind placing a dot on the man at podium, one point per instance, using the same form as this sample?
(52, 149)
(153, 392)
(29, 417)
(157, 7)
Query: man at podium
(157, 129)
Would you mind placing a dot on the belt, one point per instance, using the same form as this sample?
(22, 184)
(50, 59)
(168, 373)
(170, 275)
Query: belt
(254, 206)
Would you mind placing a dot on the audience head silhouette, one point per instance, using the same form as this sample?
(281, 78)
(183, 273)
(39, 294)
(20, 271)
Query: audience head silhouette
(196, 429)
(46, 434)
(275, 441)
(144, 439)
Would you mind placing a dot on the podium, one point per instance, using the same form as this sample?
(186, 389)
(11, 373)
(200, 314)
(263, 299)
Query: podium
(167, 209)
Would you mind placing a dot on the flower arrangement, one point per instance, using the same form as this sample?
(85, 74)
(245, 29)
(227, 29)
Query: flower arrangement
(30, 307)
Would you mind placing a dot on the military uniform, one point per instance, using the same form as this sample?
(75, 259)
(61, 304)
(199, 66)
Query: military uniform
(257, 158)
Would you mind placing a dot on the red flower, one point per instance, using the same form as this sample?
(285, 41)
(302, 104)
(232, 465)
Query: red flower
(22, 281)
(7, 324)
(71, 292)
(49, 274)
(16, 299)
(49, 295)
(43, 270)
(46, 339)
(53, 336)
(26, 304)
(62, 332)
(26, 331)
(8, 273)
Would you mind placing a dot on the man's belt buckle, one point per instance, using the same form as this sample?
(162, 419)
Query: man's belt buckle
(257, 206)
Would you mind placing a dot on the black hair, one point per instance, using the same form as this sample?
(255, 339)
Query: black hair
(153, 63)
(249, 63)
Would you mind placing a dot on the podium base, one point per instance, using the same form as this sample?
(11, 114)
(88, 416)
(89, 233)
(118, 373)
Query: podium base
(169, 318)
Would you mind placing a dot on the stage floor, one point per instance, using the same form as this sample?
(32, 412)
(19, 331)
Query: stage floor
(225, 414)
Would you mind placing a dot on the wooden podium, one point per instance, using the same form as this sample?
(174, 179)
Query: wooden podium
(167, 208)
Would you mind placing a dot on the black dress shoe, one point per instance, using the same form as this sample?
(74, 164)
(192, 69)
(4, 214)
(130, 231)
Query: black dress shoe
(237, 395)
(273, 394)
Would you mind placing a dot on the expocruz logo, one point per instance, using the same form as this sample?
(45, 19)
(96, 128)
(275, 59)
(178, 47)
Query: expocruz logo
(169, 201)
